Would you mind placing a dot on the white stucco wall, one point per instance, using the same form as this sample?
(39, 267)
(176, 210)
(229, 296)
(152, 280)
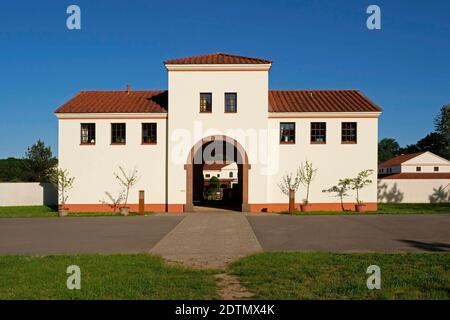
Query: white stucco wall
(426, 161)
(27, 194)
(413, 190)
(93, 165)
(187, 125)
(333, 160)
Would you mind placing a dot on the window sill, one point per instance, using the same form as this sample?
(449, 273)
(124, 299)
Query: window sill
(348, 142)
(232, 112)
(87, 144)
(318, 142)
(149, 143)
(205, 112)
(283, 142)
(117, 144)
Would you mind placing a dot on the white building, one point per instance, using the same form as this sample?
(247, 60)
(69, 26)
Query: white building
(218, 106)
(414, 178)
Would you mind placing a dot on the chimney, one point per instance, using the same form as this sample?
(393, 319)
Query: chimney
(128, 89)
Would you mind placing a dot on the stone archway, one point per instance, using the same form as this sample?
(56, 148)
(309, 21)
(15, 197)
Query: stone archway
(241, 159)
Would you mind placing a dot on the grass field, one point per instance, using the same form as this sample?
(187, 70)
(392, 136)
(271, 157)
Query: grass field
(390, 208)
(343, 276)
(46, 211)
(102, 277)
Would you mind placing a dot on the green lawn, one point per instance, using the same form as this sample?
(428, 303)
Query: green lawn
(390, 208)
(46, 211)
(343, 276)
(103, 277)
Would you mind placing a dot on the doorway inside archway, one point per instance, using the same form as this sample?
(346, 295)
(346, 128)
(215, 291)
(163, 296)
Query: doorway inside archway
(217, 176)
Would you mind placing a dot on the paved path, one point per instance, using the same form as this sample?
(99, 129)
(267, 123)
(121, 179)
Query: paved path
(41, 236)
(214, 239)
(209, 240)
(371, 233)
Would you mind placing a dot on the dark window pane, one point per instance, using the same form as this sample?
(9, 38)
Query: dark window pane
(230, 102)
(318, 132)
(88, 133)
(205, 102)
(418, 169)
(287, 132)
(349, 132)
(118, 133)
(149, 133)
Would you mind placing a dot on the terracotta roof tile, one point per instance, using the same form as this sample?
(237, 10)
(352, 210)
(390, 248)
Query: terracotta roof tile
(413, 175)
(116, 102)
(218, 58)
(320, 101)
(399, 160)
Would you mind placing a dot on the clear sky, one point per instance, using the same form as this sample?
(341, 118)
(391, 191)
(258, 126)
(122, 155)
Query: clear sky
(404, 67)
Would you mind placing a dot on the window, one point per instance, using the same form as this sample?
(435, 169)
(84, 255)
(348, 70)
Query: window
(231, 175)
(230, 102)
(149, 133)
(287, 132)
(348, 132)
(118, 134)
(436, 169)
(207, 175)
(218, 175)
(206, 102)
(418, 169)
(88, 133)
(318, 132)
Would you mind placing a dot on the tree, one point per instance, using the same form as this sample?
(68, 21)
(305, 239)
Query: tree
(388, 148)
(63, 182)
(433, 142)
(39, 162)
(289, 186)
(214, 185)
(361, 180)
(340, 190)
(127, 181)
(442, 127)
(307, 174)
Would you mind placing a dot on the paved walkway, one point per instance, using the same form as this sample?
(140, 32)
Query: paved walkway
(43, 236)
(215, 239)
(209, 240)
(371, 233)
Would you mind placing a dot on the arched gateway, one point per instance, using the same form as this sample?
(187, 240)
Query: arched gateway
(230, 150)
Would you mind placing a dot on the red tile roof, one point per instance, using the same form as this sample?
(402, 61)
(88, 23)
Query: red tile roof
(218, 58)
(116, 102)
(320, 101)
(215, 166)
(279, 101)
(399, 160)
(414, 175)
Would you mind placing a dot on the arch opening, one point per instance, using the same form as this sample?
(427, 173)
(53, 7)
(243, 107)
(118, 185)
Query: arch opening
(217, 175)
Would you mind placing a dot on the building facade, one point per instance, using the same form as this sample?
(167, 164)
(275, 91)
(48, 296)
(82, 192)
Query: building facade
(218, 107)
(421, 177)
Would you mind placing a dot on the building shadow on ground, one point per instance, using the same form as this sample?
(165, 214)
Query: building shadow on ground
(428, 246)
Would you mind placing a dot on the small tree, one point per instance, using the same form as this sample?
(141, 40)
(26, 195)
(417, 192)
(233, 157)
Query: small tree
(63, 182)
(289, 185)
(127, 181)
(340, 190)
(307, 174)
(39, 162)
(361, 180)
(112, 201)
(214, 185)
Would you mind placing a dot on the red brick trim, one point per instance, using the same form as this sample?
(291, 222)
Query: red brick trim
(278, 207)
(149, 207)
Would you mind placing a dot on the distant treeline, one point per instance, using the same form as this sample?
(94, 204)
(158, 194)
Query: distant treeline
(36, 166)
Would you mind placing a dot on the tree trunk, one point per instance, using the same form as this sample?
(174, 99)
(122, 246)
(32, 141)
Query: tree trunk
(291, 201)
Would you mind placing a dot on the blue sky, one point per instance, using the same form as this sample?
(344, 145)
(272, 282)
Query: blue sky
(404, 67)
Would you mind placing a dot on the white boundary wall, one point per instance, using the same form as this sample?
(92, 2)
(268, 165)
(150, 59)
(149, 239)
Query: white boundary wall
(413, 190)
(27, 194)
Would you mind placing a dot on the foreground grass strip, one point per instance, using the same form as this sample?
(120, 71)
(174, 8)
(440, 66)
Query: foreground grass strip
(103, 277)
(343, 276)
